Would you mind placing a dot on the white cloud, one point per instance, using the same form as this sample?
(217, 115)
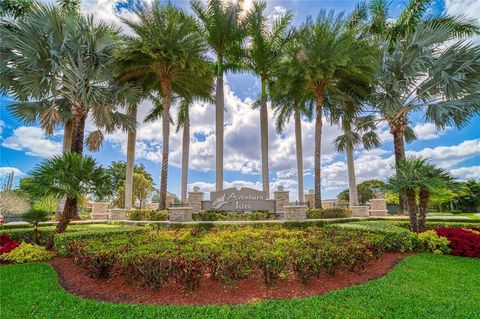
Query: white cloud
(33, 141)
(6, 170)
(469, 8)
(450, 156)
(428, 131)
(465, 173)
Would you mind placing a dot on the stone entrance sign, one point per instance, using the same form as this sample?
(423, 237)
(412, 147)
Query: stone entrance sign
(244, 199)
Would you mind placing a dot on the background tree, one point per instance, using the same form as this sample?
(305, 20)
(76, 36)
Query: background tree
(117, 172)
(372, 188)
(221, 26)
(72, 176)
(263, 54)
(141, 190)
(166, 54)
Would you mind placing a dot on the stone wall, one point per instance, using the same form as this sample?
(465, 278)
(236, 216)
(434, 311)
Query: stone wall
(180, 214)
(117, 214)
(298, 212)
(360, 211)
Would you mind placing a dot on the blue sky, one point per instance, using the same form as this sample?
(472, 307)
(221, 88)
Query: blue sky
(22, 147)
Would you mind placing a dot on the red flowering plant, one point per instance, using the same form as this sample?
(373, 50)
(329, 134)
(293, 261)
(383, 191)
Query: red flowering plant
(463, 242)
(6, 244)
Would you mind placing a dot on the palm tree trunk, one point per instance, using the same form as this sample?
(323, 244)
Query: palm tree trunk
(412, 210)
(131, 140)
(299, 147)
(185, 155)
(422, 208)
(219, 122)
(166, 90)
(78, 135)
(397, 130)
(67, 146)
(264, 139)
(318, 147)
(68, 213)
(352, 183)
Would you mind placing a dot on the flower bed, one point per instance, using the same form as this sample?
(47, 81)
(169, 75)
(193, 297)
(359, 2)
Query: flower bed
(463, 241)
(228, 255)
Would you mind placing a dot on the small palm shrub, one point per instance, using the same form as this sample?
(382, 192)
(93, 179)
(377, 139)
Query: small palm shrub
(34, 217)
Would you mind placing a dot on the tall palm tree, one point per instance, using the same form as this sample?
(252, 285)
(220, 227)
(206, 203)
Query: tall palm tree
(166, 55)
(406, 88)
(222, 28)
(357, 131)
(57, 65)
(264, 52)
(326, 52)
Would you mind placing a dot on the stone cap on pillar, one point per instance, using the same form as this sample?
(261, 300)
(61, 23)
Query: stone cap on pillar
(281, 189)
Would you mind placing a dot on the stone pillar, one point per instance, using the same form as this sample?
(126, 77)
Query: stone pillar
(360, 211)
(281, 197)
(170, 200)
(180, 214)
(99, 210)
(298, 212)
(378, 207)
(195, 199)
(117, 214)
(328, 204)
(310, 199)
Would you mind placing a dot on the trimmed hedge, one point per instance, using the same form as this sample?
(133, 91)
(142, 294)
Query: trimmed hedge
(148, 214)
(229, 254)
(314, 213)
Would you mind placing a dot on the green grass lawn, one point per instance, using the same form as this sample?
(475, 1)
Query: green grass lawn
(469, 215)
(421, 286)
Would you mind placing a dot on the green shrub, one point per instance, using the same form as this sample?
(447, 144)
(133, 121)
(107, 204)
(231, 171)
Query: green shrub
(148, 214)
(62, 240)
(431, 242)
(97, 263)
(27, 253)
(34, 217)
(313, 213)
(232, 216)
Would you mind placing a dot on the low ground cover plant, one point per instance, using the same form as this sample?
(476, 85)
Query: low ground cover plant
(314, 213)
(462, 241)
(26, 252)
(229, 254)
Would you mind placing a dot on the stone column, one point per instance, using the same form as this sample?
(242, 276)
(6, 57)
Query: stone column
(281, 197)
(195, 199)
(180, 214)
(378, 207)
(360, 211)
(310, 199)
(298, 212)
(99, 210)
(117, 214)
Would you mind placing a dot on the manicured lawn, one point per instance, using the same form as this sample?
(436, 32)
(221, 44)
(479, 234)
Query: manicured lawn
(469, 215)
(422, 286)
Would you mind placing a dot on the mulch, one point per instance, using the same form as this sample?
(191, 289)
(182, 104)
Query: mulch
(75, 280)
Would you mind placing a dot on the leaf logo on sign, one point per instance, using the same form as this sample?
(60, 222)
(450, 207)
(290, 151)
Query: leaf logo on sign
(219, 202)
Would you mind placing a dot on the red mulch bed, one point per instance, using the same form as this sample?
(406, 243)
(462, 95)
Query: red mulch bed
(74, 280)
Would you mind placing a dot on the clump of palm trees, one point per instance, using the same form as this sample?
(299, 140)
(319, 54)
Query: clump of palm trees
(352, 70)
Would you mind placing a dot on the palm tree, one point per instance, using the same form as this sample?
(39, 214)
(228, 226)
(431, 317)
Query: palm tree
(327, 51)
(265, 51)
(416, 176)
(357, 130)
(166, 56)
(222, 28)
(57, 66)
(72, 176)
(410, 77)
